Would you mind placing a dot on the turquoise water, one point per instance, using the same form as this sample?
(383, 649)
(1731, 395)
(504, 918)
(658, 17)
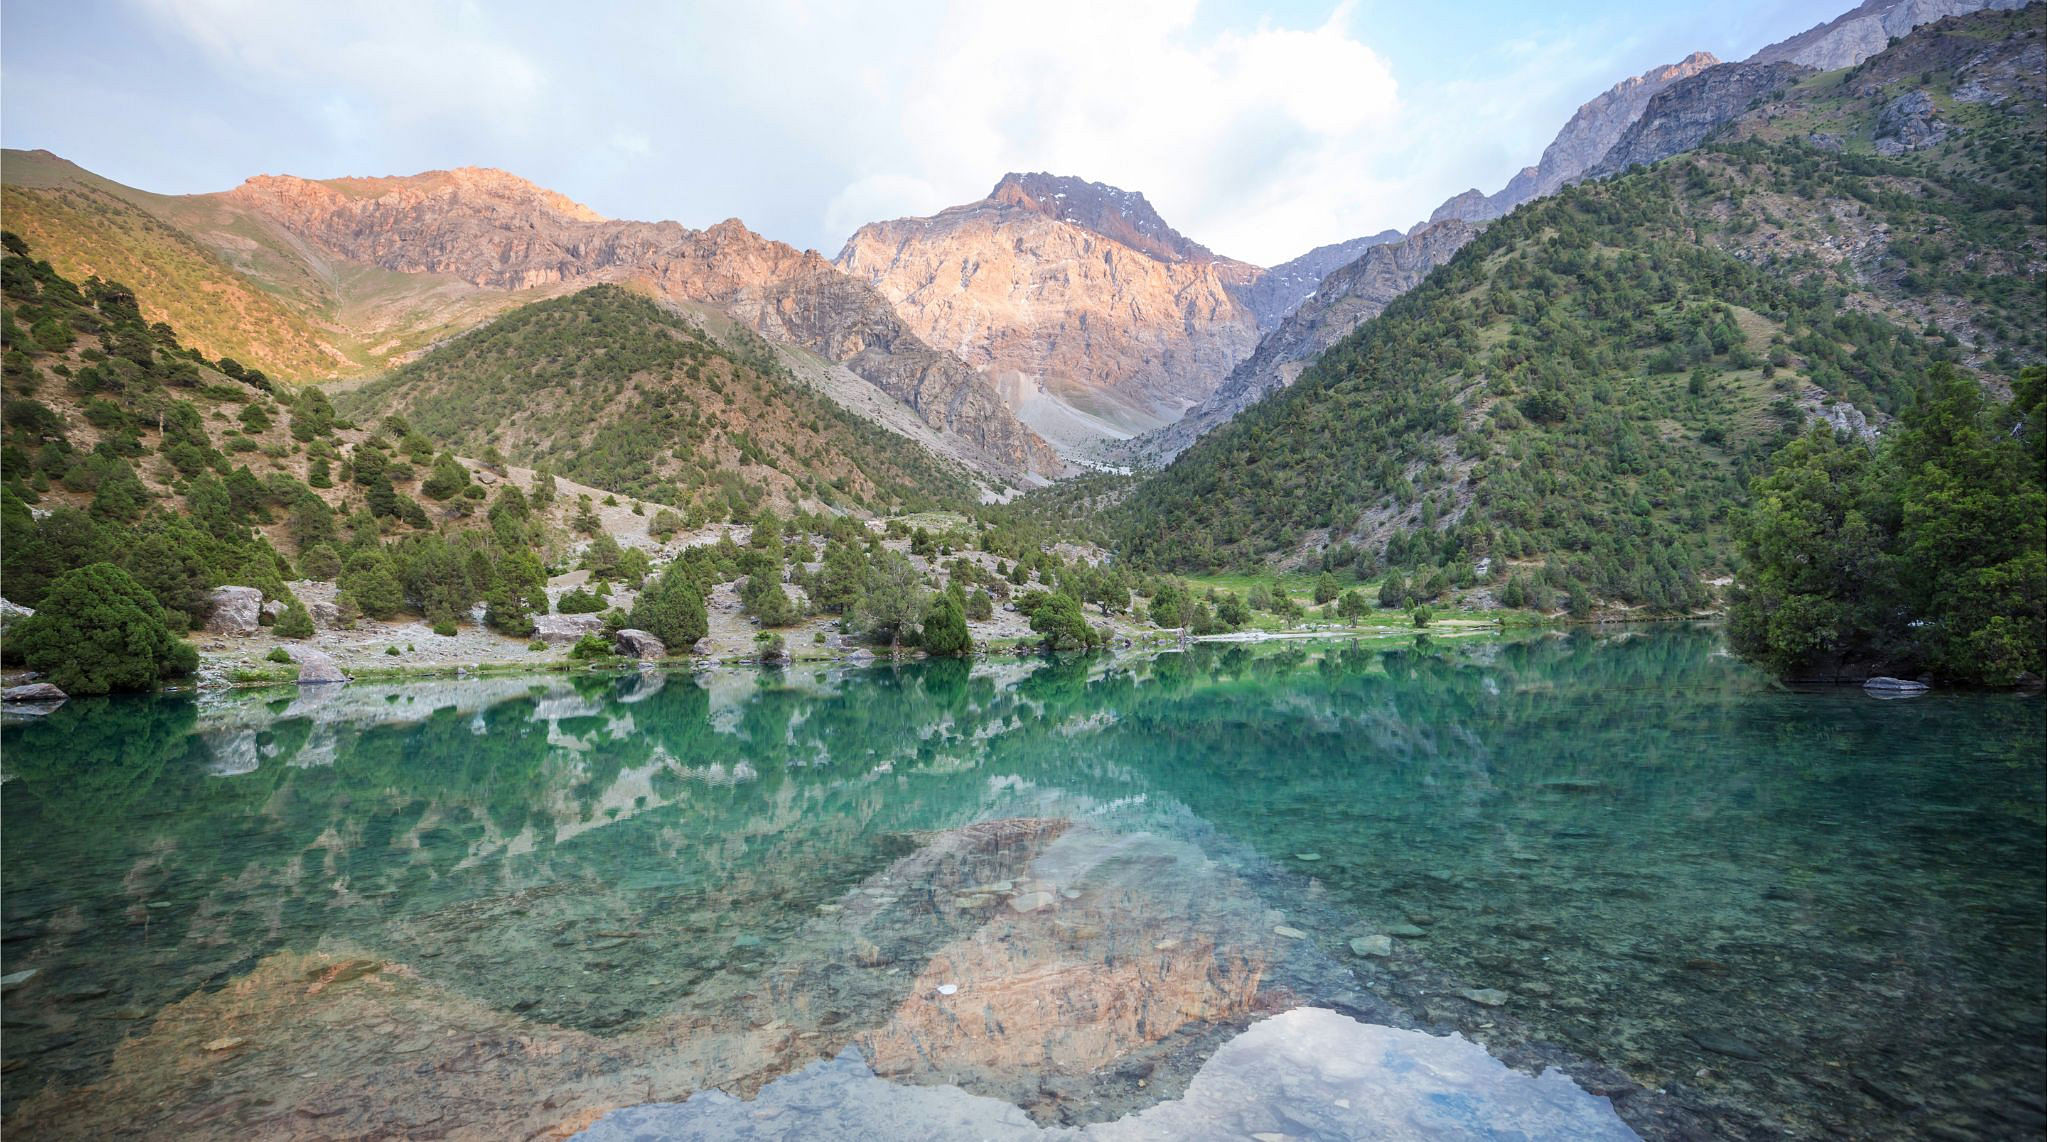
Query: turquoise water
(504, 907)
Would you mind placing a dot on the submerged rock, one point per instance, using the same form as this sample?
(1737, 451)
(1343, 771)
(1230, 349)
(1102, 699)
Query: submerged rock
(1885, 685)
(1722, 1043)
(1373, 946)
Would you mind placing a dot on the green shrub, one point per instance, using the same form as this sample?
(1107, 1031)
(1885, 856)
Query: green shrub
(294, 622)
(97, 630)
(591, 646)
(579, 602)
(277, 654)
(445, 628)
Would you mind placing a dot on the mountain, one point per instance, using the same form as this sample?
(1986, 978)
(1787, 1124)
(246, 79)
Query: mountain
(312, 279)
(230, 279)
(1868, 29)
(1583, 141)
(495, 231)
(1342, 301)
(1579, 395)
(1681, 117)
(1094, 318)
(617, 390)
(1275, 294)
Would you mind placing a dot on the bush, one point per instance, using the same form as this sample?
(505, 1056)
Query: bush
(579, 602)
(97, 630)
(277, 654)
(1422, 616)
(393, 651)
(672, 610)
(980, 607)
(445, 628)
(945, 629)
(1058, 618)
(294, 622)
(319, 562)
(537, 645)
(591, 646)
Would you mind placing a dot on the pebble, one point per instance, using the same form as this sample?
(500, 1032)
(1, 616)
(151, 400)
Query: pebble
(1373, 946)
(1290, 933)
(227, 1044)
(1406, 931)
(1071, 893)
(1308, 856)
(16, 979)
(1485, 996)
(1167, 944)
(1422, 918)
(948, 988)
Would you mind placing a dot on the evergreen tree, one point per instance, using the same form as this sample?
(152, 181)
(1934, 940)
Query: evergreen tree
(97, 630)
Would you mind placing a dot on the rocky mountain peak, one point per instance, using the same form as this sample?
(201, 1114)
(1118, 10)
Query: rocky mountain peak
(1867, 29)
(474, 188)
(1120, 215)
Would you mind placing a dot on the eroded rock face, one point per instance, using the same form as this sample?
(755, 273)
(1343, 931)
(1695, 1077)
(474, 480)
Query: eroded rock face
(1867, 29)
(234, 610)
(1586, 138)
(1681, 116)
(1076, 297)
(500, 232)
(1345, 300)
(639, 644)
(1908, 123)
(1282, 288)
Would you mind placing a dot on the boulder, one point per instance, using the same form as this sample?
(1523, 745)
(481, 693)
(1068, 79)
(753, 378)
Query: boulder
(315, 667)
(234, 610)
(9, 612)
(1884, 685)
(639, 644)
(1908, 123)
(326, 616)
(33, 692)
(273, 609)
(565, 628)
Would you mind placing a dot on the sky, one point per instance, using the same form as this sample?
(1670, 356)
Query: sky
(1260, 130)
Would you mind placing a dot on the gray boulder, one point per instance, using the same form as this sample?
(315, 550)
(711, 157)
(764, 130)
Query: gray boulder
(326, 616)
(273, 609)
(553, 629)
(639, 644)
(1894, 686)
(11, 612)
(315, 667)
(33, 692)
(234, 610)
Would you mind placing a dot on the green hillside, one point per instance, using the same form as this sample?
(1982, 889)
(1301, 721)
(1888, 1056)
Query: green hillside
(233, 283)
(617, 391)
(1576, 402)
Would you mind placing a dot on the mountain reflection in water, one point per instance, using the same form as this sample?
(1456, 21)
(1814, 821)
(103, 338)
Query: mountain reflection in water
(509, 907)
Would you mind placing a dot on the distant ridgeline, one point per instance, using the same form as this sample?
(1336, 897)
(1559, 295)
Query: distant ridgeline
(1576, 403)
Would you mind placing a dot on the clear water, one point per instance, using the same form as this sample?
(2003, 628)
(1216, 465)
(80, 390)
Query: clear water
(1048, 896)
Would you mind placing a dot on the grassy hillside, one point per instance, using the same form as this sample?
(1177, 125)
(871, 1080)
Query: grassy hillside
(231, 282)
(1573, 406)
(618, 391)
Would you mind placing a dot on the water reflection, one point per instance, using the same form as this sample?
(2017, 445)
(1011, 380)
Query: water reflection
(509, 905)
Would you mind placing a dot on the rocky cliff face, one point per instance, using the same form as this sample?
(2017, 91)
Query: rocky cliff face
(1343, 301)
(1280, 289)
(1681, 116)
(1095, 319)
(1865, 30)
(501, 232)
(1586, 137)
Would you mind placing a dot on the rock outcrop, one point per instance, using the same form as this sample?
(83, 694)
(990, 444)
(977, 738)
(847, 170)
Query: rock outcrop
(1908, 123)
(1277, 292)
(1683, 115)
(1584, 140)
(496, 231)
(234, 610)
(1094, 318)
(1343, 301)
(1868, 29)
(639, 644)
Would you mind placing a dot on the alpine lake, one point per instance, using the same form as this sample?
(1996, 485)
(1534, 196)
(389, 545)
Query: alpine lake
(1573, 885)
